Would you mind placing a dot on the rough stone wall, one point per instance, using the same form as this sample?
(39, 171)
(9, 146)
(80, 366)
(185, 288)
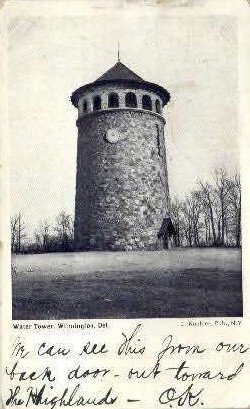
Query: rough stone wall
(121, 192)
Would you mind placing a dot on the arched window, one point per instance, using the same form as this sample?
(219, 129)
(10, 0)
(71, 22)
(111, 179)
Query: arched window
(146, 102)
(85, 106)
(113, 100)
(97, 103)
(158, 106)
(130, 100)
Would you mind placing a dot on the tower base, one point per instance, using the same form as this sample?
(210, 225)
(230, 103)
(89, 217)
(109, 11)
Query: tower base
(136, 245)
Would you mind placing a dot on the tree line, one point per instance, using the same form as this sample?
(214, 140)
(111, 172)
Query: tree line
(208, 216)
(48, 237)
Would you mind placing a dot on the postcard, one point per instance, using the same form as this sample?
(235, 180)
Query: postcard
(125, 195)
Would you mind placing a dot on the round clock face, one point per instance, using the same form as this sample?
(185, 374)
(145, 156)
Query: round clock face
(112, 135)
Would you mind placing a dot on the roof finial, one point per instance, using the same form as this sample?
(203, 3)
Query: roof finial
(118, 51)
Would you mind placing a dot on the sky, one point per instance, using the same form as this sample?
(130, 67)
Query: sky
(193, 57)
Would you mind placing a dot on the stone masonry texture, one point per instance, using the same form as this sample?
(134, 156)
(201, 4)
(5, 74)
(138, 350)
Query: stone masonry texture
(121, 187)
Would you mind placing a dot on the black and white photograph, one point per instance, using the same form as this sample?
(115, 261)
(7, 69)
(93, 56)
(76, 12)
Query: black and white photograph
(125, 164)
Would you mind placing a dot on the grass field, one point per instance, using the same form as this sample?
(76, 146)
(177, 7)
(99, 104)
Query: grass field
(175, 283)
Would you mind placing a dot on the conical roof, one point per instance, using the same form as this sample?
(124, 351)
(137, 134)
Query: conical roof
(119, 72)
(121, 75)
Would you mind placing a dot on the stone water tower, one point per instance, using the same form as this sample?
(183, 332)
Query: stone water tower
(122, 197)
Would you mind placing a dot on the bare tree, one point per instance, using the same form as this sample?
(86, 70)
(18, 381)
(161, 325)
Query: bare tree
(18, 232)
(192, 212)
(196, 213)
(14, 230)
(176, 212)
(43, 235)
(222, 202)
(234, 192)
(207, 197)
(65, 230)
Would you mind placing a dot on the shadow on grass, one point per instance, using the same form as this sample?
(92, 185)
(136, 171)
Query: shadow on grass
(189, 293)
